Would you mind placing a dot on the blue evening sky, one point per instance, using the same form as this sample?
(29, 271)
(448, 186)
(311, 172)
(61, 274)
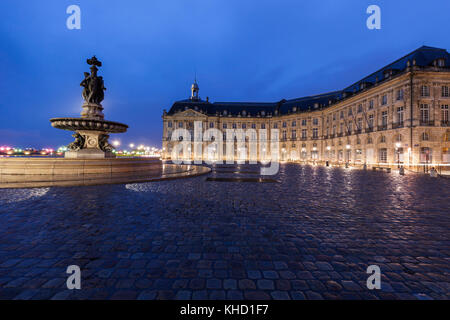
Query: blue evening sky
(241, 50)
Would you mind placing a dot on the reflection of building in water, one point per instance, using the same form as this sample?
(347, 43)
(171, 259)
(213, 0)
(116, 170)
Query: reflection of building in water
(398, 114)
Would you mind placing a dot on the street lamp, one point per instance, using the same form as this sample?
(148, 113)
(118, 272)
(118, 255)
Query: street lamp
(131, 145)
(116, 143)
(397, 148)
(348, 155)
(328, 156)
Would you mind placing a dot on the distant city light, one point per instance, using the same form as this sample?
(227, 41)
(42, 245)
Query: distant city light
(116, 143)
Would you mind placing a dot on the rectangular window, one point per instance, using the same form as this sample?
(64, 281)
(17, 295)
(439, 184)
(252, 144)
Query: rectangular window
(294, 123)
(284, 124)
(384, 118)
(360, 108)
(359, 123)
(424, 113)
(169, 124)
(400, 115)
(304, 134)
(253, 125)
(275, 125)
(426, 155)
(350, 111)
(334, 129)
(263, 125)
(303, 122)
(383, 155)
(445, 92)
(244, 125)
(400, 94)
(234, 125)
(370, 104)
(284, 135)
(294, 134)
(224, 125)
(425, 91)
(384, 99)
(334, 116)
(315, 121)
(342, 114)
(370, 121)
(444, 114)
(315, 133)
(211, 124)
(180, 124)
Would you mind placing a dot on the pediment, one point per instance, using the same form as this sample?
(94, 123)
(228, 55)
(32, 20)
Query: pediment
(190, 113)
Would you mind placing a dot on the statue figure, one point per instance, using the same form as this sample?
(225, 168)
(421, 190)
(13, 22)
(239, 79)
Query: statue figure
(103, 143)
(85, 84)
(78, 143)
(94, 87)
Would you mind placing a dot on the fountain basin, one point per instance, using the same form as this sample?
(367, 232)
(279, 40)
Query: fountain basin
(86, 124)
(39, 172)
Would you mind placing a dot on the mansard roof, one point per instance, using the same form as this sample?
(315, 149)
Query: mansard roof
(422, 57)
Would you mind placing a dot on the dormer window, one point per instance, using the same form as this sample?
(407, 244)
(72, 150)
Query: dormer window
(294, 109)
(244, 113)
(263, 113)
(225, 112)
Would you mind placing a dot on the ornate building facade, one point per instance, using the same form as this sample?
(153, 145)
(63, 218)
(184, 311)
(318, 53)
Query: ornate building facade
(397, 115)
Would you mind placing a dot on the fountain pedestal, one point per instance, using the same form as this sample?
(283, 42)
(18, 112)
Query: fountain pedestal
(91, 148)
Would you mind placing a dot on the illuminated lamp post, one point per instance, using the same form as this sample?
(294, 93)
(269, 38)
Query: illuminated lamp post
(348, 155)
(397, 149)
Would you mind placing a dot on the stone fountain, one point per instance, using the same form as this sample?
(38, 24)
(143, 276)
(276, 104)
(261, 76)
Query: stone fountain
(91, 130)
(90, 159)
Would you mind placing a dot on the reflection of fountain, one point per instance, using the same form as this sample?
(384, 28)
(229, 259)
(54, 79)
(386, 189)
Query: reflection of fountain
(17, 196)
(91, 130)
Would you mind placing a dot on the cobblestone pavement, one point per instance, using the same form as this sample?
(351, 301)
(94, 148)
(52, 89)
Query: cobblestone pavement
(310, 235)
